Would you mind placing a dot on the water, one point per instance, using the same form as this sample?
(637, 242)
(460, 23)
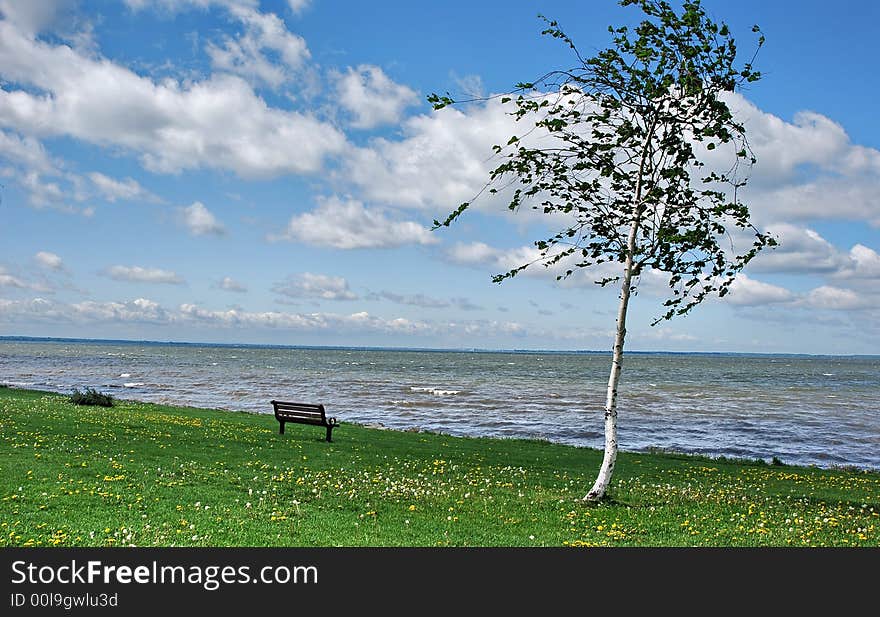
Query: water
(814, 410)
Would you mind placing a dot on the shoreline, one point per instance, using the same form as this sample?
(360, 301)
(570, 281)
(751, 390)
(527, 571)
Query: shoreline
(144, 474)
(769, 459)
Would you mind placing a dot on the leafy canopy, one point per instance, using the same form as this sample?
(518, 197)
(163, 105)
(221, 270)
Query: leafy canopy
(638, 137)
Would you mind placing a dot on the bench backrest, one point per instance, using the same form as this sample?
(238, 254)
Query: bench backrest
(299, 412)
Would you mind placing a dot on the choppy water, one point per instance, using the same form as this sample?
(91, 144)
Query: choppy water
(815, 410)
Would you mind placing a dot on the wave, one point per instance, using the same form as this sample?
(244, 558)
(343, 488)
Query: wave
(434, 391)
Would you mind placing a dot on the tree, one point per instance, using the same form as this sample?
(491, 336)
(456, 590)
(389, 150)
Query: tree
(625, 149)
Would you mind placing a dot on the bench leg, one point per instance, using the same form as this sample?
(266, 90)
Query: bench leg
(329, 431)
(281, 430)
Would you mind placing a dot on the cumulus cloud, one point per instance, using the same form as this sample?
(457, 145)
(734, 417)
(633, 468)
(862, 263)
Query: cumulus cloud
(472, 253)
(34, 16)
(444, 158)
(804, 251)
(842, 180)
(218, 122)
(371, 97)
(441, 159)
(49, 184)
(320, 286)
(228, 283)
(49, 260)
(137, 274)
(746, 291)
(836, 298)
(864, 263)
(43, 193)
(142, 310)
(498, 261)
(112, 189)
(27, 153)
(348, 224)
(246, 54)
(810, 139)
(200, 221)
(8, 280)
(800, 249)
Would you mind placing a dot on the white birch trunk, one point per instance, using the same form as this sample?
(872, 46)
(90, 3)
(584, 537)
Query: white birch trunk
(607, 469)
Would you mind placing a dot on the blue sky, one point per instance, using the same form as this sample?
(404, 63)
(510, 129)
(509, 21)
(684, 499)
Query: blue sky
(245, 171)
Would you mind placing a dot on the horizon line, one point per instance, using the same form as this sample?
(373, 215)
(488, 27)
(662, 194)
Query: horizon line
(15, 337)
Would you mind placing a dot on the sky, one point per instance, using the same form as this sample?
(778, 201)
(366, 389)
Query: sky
(250, 171)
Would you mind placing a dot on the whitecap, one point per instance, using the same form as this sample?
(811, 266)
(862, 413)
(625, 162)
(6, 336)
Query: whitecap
(133, 384)
(125, 374)
(434, 391)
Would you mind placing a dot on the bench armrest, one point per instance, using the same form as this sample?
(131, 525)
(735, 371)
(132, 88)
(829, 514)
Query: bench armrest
(332, 422)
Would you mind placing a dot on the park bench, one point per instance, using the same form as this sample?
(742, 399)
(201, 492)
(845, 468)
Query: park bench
(303, 413)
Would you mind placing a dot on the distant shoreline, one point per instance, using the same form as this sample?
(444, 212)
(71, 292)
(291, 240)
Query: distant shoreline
(100, 341)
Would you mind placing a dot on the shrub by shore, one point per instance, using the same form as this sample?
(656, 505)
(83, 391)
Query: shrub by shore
(154, 475)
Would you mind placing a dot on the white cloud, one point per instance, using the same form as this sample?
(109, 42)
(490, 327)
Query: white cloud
(347, 224)
(8, 280)
(321, 286)
(803, 251)
(49, 260)
(32, 165)
(137, 274)
(783, 147)
(246, 56)
(864, 264)
(44, 194)
(33, 16)
(442, 159)
(200, 221)
(746, 291)
(112, 189)
(836, 298)
(218, 122)
(227, 283)
(371, 96)
(800, 250)
(142, 310)
(824, 198)
(16, 282)
(472, 253)
(139, 310)
(26, 152)
(500, 261)
(298, 6)
(808, 169)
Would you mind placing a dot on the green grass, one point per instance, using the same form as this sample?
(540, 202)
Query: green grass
(153, 475)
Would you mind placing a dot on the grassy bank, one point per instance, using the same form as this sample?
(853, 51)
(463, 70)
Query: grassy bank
(146, 475)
